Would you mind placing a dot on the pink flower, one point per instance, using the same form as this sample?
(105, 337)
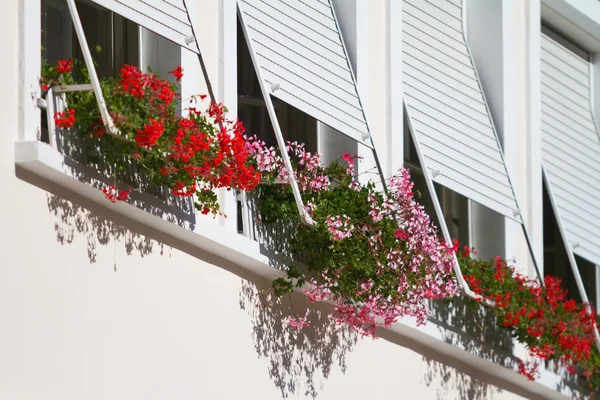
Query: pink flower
(339, 227)
(297, 322)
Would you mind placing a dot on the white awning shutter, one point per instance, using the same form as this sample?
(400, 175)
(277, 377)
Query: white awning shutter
(571, 145)
(447, 109)
(167, 18)
(301, 56)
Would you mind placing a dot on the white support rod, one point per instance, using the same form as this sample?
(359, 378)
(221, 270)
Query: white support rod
(304, 217)
(246, 227)
(531, 250)
(440, 214)
(570, 255)
(72, 88)
(50, 118)
(89, 62)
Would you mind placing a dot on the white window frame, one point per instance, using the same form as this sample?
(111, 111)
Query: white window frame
(554, 32)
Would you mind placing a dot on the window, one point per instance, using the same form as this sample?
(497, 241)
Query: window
(556, 260)
(295, 125)
(117, 38)
(571, 144)
(454, 206)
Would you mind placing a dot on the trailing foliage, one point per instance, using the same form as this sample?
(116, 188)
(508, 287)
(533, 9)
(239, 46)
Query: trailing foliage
(376, 256)
(551, 325)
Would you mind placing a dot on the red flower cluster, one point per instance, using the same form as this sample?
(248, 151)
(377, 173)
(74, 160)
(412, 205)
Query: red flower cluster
(113, 194)
(64, 66)
(194, 155)
(528, 371)
(551, 325)
(221, 161)
(139, 84)
(65, 119)
(400, 234)
(148, 136)
(177, 73)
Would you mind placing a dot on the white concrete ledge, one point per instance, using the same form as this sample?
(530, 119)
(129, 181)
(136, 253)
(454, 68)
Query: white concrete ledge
(44, 166)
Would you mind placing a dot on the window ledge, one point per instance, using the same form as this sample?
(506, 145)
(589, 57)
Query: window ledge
(219, 246)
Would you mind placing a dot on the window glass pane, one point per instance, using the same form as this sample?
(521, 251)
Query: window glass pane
(454, 206)
(56, 31)
(556, 260)
(115, 37)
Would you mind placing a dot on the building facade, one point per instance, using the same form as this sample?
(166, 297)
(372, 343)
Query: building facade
(489, 103)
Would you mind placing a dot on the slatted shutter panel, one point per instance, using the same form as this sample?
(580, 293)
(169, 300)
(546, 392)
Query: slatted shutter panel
(446, 106)
(167, 18)
(301, 56)
(571, 146)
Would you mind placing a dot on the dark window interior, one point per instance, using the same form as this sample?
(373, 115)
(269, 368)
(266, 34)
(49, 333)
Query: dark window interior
(454, 206)
(116, 37)
(295, 124)
(556, 261)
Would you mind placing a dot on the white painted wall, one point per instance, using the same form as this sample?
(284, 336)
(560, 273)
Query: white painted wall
(91, 309)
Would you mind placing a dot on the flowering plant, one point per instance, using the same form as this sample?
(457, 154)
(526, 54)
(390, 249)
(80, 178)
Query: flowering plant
(192, 155)
(376, 256)
(552, 326)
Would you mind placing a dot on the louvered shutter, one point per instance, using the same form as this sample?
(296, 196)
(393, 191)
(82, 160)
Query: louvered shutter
(571, 146)
(167, 18)
(301, 56)
(446, 106)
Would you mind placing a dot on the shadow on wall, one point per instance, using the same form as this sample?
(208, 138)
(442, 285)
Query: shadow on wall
(299, 362)
(450, 379)
(72, 219)
(85, 165)
(473, 329)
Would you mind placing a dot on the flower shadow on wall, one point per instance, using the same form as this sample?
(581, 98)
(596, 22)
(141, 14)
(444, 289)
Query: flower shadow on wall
(300, 361)
(475, 331)
(73, 219)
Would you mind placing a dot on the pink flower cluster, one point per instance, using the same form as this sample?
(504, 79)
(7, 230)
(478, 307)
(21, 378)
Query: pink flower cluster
(339, 227)
(309, 178)
(412, 268)
(419, 265)
(297, 322)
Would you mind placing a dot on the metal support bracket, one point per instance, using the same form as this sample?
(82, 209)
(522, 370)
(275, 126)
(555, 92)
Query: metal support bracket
(444, 228)
(89, 62)
(265, 90)
(571, 256)
(429, 175)
(56, 101)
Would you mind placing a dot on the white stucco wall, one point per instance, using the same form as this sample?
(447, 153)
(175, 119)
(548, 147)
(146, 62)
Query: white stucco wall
(94, 310)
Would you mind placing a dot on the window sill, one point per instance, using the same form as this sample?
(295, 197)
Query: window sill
(44, 166)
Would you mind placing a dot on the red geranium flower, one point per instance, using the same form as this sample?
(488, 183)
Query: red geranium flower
(65, 119)
(148, 136)
(177, 73)
(64, 66)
